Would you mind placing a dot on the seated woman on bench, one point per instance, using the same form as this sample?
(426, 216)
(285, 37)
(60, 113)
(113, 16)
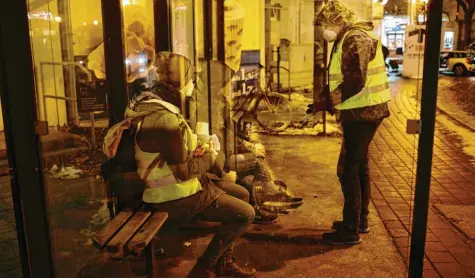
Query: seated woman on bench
(176, 180)
(254, 174)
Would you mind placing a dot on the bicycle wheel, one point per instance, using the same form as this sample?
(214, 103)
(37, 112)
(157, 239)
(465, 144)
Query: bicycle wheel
(274, 113)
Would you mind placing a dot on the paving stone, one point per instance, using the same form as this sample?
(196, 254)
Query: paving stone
(403, 242)
(398, 232)
(387, 215)
(379, 202)
(440, 257)
(400, 207)
(465, 257)
(451, 270)
(430, 273)
(430, 237)
(444, 233)
(399, 200)
(435, 246)
(393, 224)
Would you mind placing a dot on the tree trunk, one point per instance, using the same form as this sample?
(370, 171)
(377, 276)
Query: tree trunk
(468, 26)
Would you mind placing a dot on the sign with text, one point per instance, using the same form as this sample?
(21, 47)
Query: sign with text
(91, 96)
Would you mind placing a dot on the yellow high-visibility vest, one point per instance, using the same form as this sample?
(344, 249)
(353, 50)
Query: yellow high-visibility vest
(160, 183)
(376, 90)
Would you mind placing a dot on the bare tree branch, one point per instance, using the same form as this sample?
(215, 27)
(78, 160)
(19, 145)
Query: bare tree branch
(463, 4)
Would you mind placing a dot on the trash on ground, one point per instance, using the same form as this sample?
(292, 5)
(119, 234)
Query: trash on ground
(66, 173)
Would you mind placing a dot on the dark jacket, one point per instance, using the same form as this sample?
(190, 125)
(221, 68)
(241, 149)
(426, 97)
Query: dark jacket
(358, 50)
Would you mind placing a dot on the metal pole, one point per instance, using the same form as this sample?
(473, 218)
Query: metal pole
(161, 11)
(426, 139)
(221, 57)
(23, 144)
(278, 69)
(319, 65)
(325, 81)
(93, 129)
(117, 94)
(67, 54)
(208, 52)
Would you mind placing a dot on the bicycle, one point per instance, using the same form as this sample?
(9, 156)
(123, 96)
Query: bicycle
(272, 111)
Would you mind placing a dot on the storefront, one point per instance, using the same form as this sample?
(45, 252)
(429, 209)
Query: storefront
(393, 31)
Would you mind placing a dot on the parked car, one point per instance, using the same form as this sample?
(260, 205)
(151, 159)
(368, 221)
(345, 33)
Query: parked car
(458, 62)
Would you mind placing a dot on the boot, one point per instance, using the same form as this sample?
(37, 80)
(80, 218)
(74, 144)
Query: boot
(227, 267)
(202, 269)
(339, 226)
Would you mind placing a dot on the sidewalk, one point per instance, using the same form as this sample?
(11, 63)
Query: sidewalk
(450, 252)
(307, 165)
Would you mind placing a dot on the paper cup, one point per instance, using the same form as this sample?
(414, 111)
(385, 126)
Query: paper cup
(202, 128)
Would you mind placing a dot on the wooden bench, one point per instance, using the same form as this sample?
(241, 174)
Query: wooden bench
(131, 232)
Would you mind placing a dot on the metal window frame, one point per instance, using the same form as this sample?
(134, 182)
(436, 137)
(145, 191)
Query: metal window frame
(114, 54)
(162, 20)
(23, 144)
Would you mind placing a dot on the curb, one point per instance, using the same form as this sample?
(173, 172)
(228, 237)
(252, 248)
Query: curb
(458, 122)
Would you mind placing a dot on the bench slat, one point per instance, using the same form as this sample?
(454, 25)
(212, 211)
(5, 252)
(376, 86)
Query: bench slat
(116, 244)
(107, 233)
(138, 243)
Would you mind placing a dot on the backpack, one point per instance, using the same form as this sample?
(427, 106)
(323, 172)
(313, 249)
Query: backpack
(119, 167)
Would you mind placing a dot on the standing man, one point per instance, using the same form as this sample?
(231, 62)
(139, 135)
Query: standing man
(358, 89)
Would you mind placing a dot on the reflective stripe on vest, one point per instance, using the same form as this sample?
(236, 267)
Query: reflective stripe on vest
(376, 90)
(160, 183)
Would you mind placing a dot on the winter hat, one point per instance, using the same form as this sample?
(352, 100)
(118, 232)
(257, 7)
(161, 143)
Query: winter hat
(334, 12)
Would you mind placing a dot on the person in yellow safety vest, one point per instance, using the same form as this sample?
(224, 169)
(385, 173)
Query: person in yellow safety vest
(176, 181)
(358, 89)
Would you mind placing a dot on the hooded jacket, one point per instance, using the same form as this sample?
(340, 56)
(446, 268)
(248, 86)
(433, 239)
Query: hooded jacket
(161, 132)
(358, 50)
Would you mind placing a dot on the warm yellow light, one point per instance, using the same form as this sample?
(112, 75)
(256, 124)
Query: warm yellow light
(125, 2)
(57, 18)
(424, 1)
(84, 24)
(95, 22)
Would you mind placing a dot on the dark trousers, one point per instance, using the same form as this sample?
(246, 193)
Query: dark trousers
(353, 171)
(235, 214)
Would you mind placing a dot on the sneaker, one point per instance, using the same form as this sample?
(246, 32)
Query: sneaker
(283, 199)
(264, 217)
(274, 209)
(340, 226)
(342, 238)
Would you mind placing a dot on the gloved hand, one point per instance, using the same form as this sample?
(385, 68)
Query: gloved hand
(322, 104)
(319, 105)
